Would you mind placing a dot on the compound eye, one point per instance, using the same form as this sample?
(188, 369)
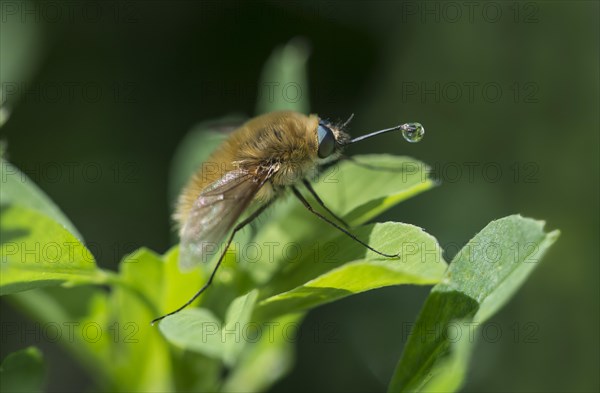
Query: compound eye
(326, 141)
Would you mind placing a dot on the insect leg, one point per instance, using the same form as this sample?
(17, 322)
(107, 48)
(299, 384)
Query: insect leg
(320, 201)
(322, 217)
(238, 227)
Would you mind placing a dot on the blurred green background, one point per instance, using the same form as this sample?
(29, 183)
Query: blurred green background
(98, 95)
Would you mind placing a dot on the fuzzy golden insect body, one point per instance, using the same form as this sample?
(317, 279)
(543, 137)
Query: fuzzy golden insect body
(280, 145)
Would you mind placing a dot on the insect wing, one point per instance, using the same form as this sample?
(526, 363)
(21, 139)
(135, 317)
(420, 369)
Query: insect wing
(213, 215)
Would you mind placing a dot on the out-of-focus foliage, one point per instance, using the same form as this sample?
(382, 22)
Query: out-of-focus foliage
(22, 371)
(142, 74)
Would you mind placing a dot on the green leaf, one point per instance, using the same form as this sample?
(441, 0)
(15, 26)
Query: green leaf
(350, 268)
(177, 286)
(454, 365)
(236, 321)
(283, 84)
(195, 329)
(17, 188)
(190, 370)
(112, 335)
(39, 245)
(481, 278)
(37, 251)
(268, 359)
(142, 360)
(22, 371)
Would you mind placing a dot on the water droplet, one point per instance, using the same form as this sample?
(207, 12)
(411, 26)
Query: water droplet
(413, 132)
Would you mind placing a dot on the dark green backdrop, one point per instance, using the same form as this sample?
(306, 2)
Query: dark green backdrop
(101, 93)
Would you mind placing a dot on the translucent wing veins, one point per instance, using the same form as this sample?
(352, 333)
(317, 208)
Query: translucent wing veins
(214, 214)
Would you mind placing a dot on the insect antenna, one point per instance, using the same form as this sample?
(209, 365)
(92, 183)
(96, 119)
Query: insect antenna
(343, 126)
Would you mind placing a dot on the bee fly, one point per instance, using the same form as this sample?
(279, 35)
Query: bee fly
(258, 162)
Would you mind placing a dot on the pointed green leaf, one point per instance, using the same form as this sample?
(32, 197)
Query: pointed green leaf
(195, 329)
(350, 268)
(17, 188)
(37, 251)
(237, 321)
(481, 278)
(283, 84)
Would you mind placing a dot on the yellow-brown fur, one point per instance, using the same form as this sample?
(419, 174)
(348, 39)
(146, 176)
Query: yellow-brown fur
(283, 144)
